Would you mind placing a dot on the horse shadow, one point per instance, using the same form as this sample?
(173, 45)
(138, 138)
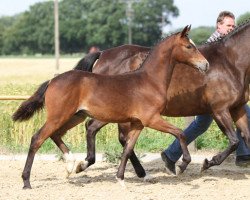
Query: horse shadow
(156, 169)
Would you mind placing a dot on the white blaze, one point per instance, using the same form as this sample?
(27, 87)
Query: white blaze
(191, 41)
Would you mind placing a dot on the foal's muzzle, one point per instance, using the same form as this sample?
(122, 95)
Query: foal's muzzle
(203, 66)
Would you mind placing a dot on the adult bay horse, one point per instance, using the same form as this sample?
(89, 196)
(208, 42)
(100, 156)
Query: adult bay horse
(222, 92)
(72, 96)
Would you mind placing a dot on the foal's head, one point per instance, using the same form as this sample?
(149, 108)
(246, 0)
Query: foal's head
(185, 51)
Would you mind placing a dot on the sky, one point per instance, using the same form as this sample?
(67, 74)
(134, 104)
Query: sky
(194, 12)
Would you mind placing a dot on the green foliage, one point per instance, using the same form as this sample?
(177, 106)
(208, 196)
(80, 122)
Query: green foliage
(213, 139)
(32, 32)
(200, 34)
(147, 20)
(83, 23)
(242, 18)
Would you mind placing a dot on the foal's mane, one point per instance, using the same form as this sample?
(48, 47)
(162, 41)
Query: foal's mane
(153, 48)
(238, 28)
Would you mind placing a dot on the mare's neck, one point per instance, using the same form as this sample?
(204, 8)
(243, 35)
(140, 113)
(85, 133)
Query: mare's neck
(237, 49)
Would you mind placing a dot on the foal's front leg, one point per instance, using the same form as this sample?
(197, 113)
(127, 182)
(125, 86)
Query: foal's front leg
(160, 124)
(124, 129)
(135, 130)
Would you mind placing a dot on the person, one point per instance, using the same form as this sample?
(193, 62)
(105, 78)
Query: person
(225, 23)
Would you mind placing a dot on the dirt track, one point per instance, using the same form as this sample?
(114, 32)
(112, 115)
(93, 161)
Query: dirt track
(98, 182)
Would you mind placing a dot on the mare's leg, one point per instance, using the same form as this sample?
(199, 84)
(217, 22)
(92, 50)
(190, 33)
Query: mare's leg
(225, 123)
(241, 118)
(159, 124)
(92, 127)
(123, 133)
(132, 137)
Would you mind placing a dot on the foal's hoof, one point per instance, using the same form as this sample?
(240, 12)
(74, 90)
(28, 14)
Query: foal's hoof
(204, 166)
(121, 182)
(70, 168)
(81, 166)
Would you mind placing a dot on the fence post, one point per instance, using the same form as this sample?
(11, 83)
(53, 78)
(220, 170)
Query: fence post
(191, 146)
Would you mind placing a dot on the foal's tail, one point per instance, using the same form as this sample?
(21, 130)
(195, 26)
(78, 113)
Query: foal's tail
(35, 103)
(86, 63)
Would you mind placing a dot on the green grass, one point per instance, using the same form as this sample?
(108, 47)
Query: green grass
(15, 137)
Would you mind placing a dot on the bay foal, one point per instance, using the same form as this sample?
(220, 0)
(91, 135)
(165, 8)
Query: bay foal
(138, 97)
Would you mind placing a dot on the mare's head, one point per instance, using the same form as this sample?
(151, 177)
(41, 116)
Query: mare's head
(185, 51)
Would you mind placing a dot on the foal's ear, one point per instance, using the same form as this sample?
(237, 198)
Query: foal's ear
(185, 31)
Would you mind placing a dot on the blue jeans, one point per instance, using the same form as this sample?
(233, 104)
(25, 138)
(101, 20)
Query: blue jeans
(198, 127)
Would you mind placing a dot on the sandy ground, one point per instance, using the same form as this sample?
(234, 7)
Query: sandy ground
(49, 181)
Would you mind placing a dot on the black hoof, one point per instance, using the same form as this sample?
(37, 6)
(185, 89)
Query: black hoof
(204, 165)
(27, 187)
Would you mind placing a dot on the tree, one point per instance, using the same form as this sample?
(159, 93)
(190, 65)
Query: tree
(84, 23)
(5, 24)
(244, 17)
(32, 32)
(147, 22)
(72, 24)
(105, 23)
(200, 34)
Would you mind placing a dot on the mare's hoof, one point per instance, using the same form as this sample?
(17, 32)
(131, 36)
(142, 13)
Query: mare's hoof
(81, 166)
(169, 164)
(178, 170)
(149, 178)
(26, 187)
(204, 166)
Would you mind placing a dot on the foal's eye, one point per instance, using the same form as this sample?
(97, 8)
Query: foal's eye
(189, 46)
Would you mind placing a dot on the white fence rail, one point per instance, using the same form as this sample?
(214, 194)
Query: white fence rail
(13, 97)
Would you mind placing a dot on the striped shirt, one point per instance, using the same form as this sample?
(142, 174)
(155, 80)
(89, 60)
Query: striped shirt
(216, 35)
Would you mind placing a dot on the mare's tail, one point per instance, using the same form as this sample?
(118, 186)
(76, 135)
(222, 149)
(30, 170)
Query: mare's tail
(35, 103)
(86, 63)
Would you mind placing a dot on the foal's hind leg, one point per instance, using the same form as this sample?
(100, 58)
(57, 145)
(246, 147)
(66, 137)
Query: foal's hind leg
(159, 124)
(92, 128)
(123, 133)
(36, 141)
(57, 138)
(225, 123)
